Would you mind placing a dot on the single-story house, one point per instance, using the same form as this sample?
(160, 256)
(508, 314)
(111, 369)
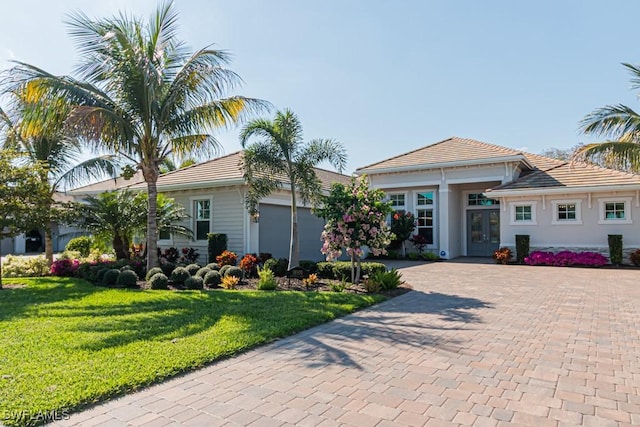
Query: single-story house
(470, 198)
(213, 193)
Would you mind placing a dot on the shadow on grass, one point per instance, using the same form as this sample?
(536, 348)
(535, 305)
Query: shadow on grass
(391, 326)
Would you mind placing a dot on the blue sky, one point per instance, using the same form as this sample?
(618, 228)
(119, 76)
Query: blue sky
(388, 77)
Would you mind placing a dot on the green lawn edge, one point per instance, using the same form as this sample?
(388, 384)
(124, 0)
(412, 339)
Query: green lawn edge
(66, 344)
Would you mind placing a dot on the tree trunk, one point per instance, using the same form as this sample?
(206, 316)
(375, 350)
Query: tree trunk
(48, 243)
(152, 226)
(294, 250)
(119, 247)
(358, 270)
(404, 251)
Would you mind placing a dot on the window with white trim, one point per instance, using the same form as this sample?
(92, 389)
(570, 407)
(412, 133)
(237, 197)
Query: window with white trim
(202, 218)
(479, 199)
(425, 215)
(615, 210)
(523, 213)
(397, 200)
(567, 212)
(164, 234)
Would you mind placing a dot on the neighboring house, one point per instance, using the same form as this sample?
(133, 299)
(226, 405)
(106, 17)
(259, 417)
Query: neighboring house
(470, 198)
(213, 193)
(33, 241)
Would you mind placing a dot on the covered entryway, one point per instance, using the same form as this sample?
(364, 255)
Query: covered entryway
(483, 232)
(275, 232)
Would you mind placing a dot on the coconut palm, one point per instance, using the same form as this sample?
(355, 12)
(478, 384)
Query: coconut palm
(281, 154)
(142, 94)
(621, 126)
(34, 130)
(169, 164)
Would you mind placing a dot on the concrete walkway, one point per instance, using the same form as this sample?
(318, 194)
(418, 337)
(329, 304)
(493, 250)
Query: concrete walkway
(475, 344)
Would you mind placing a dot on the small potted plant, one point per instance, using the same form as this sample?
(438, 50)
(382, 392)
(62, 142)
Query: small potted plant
(502, 255)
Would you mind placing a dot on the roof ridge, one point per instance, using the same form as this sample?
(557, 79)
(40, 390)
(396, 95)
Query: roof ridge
(603, 168)
(407, 153)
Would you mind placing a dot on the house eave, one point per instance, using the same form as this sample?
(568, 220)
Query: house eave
(561, 190)
(446, 165)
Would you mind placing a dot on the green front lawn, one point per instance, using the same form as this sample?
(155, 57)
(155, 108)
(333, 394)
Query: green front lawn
(65, 343)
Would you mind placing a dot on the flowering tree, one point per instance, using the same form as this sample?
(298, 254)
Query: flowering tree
(402, 225)
(356, 217)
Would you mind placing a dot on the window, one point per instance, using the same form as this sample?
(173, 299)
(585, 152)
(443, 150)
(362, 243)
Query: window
(202, 209)
(615, 211)
(479, 199)
(397, 201)
(566, 212)
(523, 213)
(164, 235)
(424, 215)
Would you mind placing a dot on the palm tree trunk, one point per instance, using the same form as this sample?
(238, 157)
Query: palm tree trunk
(294, 250)
(152, 226)
(48, 243)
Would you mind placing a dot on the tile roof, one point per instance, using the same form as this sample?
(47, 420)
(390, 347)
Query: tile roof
(571, 176)
(108, 184)
(224, 170)
(455, 150)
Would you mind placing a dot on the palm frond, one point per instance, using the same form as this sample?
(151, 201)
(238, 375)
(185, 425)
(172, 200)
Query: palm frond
(324, 150)
(611, 122)
(91, 169)
(619, 155)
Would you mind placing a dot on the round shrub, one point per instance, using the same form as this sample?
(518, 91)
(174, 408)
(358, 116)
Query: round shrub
(159, 281)
(153, 272)
(192, 269)
(234, 272)
(194, 282)
(202, 272)
(213, 266)
(179, 275)
(110, 277)
(278, 266)
(126, 268)
(223, 270)
(100, 275)
(167, 268)
(212, 278)
(127, 279)
(80, 244)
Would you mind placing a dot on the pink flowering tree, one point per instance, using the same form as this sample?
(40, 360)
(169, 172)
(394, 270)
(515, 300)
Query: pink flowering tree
(356, 218)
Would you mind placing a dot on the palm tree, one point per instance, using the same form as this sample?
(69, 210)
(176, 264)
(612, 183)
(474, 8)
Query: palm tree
(34, 129)
(119, 215)
(142, 94)
(169, 164)
(281, 154)
(621, 125)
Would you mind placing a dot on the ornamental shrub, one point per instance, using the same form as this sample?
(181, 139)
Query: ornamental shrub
(387, 280)
(402, 225)
(234, 272)
(278, 266)
(223, 270)
(194, 283)
(229, 282)
(615, 248)
(502, 255)
(309, 266)
(202, 272)
(167, 268)
(634, 257)
(179, 275)
(566, 258)
(212, 279)
(227, 258)
(192, 269)
(248, 263)
(339, 270)
(153, 272)
(21, 266)
(189, 256)
(80, 244)
(266, 280)
(159, 281)
(110, 277)
(419, 242)
(217, 244)
(127, 279)
(522, 247)
(64, 267)
(100, 275)
(213, 266)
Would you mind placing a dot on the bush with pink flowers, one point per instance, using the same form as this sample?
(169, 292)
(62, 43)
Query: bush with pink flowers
(566, 258)
(65, 267)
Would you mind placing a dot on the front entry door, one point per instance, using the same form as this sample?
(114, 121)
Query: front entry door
(483, 232)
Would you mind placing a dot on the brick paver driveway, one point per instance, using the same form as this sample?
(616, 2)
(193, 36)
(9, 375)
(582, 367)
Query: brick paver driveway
(475, 344)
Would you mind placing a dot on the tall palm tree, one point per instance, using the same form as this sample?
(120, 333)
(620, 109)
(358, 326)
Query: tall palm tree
(142, 94)
(621, 126)
(281, 154)
(170, 164)
(34, 129)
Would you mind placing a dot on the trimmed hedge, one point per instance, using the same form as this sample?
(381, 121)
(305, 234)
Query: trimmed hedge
(159, 281)
(217, 243)
(342, 269)
(212, 278)
(522, 247)
(615, 248)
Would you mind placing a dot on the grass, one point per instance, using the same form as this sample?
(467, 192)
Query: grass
(65, 344)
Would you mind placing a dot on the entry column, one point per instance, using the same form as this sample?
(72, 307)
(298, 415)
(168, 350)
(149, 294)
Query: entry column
(444, 194)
